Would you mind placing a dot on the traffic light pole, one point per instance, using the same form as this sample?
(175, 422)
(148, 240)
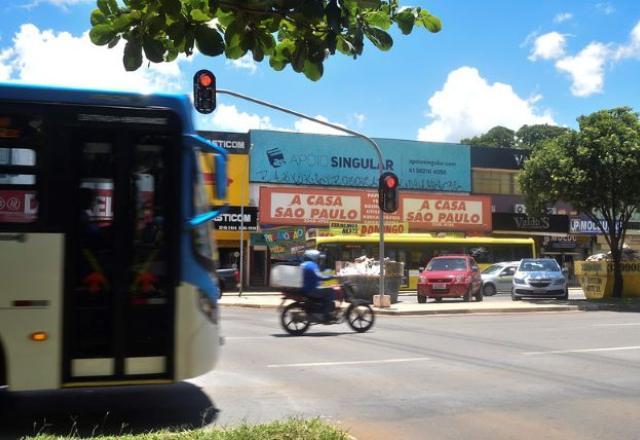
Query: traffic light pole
(344, 130)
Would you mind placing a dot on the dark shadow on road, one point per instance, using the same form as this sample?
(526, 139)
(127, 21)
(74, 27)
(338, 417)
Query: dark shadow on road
(104, 411)
(312, 334)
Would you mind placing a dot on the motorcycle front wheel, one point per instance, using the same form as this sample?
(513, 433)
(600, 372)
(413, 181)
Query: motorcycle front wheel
(294, 319)
(360, 317)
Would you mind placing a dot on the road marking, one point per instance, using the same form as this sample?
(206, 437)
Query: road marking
(328, 364)
(616, 325)
(584, 350)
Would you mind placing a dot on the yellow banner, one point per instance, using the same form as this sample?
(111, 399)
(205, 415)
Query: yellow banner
(340, 228)
(237, 178)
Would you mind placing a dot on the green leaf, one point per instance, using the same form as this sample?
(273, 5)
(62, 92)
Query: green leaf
(101, 34)
(113, 43)
(378, 19)
(199, 16)
(332, 11)
(173, 8)
(132, 58)
(124, 22)
(156, 24)
(277, 63)
(299, 56)
(113, 5)
(209, 41)
(98, 17)
(405, 21)
(103, 6)
(312, 10)
(379, 38)
(369, 4)
(431, 22)
(153, 49)
(313, 71)
(344, 46)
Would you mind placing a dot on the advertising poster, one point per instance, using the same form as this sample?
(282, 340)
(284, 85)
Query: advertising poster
(313, 159)
(420, 211)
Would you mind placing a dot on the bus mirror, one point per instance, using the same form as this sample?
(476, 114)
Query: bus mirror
(221, 176)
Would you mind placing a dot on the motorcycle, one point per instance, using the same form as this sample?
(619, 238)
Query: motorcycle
(298, 316)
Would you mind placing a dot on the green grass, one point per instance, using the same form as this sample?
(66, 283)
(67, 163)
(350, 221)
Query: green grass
(292, 429)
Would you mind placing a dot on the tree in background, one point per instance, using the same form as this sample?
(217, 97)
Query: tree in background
(532, 136)
(528, 137)
(498, 136)
(596, 170)
(302, 33)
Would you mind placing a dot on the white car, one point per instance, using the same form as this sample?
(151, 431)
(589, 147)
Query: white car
(498, 278)
(539, 278)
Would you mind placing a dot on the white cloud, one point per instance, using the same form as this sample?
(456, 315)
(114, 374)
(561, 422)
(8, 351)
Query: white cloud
(606, 8)
(631, 49)
(586, 69)
(228, 117)
(59, 58)
(549, 46)
(307, 126)
(562, 16)
(467, 105)
(359, 117)
(245, 63)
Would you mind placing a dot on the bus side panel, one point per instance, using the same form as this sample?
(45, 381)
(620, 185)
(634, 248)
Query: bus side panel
(31, 270)
(197, 338)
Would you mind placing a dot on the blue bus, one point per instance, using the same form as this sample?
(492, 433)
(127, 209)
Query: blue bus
(107, 261)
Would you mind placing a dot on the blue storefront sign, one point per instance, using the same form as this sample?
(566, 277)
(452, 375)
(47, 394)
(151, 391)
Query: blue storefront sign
(312, 159)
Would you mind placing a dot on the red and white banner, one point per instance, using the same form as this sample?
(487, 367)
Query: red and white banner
(18, 206)
(423, 211)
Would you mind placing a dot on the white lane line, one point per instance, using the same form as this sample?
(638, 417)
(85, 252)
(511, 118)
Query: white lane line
(616, 325)
(584, 350)
(326, 364)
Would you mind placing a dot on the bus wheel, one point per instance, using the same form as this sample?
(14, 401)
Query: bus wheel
(422, 299)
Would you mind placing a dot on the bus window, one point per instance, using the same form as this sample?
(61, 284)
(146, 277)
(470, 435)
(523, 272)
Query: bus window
(503, 252)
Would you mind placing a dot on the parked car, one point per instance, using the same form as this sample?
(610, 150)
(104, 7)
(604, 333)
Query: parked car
(539, 278)
(228, 279)
(498, 278)
(450, 276)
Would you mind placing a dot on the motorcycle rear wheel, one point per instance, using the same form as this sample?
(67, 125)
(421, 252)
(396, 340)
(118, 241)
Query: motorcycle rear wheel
(294, 319)
(360, 317)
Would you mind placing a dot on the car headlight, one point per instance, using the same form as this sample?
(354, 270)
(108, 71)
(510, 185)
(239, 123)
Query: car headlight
(559, 282)
(519, 280)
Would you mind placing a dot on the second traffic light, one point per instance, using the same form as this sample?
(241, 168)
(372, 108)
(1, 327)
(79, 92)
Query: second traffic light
(204, 91)
(388, 197)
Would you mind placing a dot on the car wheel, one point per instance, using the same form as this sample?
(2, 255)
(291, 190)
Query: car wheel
(467, 295)
(515, 298)
(565, 296)
(422, 299)
(488, 290)
(438, 299)
(479, 295)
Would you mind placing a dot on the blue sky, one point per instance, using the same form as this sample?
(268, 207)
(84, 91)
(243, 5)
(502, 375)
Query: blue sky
(506, 62)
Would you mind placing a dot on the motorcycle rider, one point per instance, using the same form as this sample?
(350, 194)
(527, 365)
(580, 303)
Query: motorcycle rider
(312, 279)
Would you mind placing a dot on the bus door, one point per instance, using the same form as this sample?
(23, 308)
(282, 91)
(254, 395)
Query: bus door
(121, 256)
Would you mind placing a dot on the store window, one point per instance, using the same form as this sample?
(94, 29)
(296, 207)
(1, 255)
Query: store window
(495, 182)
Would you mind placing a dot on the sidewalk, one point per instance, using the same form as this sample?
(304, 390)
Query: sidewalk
(272, 300)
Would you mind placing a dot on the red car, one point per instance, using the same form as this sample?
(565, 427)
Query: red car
(450, 276)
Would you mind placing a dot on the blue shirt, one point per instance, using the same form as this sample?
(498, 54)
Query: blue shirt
(311, 276)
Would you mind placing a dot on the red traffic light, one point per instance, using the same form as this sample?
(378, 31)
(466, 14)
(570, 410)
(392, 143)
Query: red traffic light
(390, 182)
(205, 79)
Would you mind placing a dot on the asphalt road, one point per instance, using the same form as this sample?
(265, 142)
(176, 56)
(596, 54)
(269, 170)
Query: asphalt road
(544, 375)
(538, 375)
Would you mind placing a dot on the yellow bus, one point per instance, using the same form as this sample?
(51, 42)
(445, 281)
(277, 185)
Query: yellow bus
(415, 250)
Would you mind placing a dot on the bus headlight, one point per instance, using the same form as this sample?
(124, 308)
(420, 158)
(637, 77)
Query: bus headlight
(208, 307)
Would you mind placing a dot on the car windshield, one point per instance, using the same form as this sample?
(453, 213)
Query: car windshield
(492, 269)
(539, 266)
(447, 264)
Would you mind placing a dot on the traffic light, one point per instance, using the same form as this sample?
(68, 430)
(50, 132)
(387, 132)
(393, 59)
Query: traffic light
(388, 198)
(204, 91)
